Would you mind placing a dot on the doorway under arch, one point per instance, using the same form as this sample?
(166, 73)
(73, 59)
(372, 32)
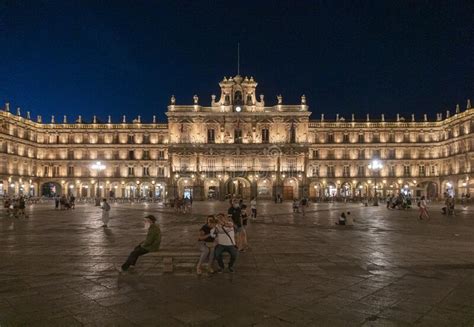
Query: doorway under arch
(238, 187)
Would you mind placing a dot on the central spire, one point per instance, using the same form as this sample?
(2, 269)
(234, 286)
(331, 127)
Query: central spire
(238, 58)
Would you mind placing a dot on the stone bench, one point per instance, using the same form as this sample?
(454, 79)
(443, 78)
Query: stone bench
(177, 257)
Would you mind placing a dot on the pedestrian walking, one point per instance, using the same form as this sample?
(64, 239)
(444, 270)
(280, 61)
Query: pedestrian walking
(423, 208)
(207, 236)
(151, 243)
(22, 207)
(105, 212)
(243, 233)
(225, 242)
(253, 207)
(56, 202)
(304, 203)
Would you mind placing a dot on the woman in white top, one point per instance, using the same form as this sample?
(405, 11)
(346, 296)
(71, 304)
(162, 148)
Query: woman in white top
(423, 208)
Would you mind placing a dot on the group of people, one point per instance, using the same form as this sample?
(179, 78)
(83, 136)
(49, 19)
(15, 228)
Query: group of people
(401, 201)
(15, 206)
(225, 233)
(64, 203)
(183, 205)
(300, 205)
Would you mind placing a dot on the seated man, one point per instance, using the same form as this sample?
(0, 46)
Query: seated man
(151, 243)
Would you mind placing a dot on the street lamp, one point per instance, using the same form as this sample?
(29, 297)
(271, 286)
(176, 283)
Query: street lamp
(375, 166)
(98, 167)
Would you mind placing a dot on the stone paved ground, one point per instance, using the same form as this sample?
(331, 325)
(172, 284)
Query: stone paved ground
(58, 268)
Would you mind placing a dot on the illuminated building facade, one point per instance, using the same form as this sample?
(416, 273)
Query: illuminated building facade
(238, 146)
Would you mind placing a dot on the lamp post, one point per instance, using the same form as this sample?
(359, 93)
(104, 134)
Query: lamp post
(98, 167)
(375, 166)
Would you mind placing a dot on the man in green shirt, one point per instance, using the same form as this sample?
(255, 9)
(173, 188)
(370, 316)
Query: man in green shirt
(151, 243)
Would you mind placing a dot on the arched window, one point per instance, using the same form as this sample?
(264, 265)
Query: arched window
(238, 98)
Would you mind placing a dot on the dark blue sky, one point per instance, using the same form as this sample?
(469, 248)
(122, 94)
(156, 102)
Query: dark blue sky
(128, 57)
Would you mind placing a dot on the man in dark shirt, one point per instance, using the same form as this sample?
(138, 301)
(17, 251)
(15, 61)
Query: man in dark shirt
(235, 213)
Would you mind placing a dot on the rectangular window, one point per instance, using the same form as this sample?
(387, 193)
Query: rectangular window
(46, 171)
(331, 154)
(161, 171)
(330, 171)
(421, 170)
(130, 139)
(361, 171)
(238, 136)
(146, 139)
(376, 138)
(391, 154)
(117, 171)
(131, 171)
(316, 171)
(161, 154)
(406, 170)
(433, 170)
(315, 154)
(146, 171)
(392, 171)
(265, 135)
(362, 154)
(70, 171)
(330, 138)
(211, 136)
(131, 155)
(391, 138)
(346, 171)
(376, 153)
(146, 155)
(292, 135)
(361, 138)
(345, 138)
(55, 171)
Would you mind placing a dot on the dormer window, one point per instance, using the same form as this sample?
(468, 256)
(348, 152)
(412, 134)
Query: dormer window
(238, 101)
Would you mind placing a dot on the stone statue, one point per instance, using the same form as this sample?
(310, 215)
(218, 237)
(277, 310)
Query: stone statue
(303, 99)
(195, 99)
(109, 119)
(18, 112)
(280, 99)
(173, 100)
(64, 119)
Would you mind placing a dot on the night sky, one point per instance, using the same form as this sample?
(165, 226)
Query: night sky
(128, 57)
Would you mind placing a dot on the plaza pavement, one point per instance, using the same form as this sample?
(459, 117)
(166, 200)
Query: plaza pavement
(58, 268)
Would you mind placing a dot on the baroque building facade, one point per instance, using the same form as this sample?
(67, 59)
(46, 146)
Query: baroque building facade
(238, 146)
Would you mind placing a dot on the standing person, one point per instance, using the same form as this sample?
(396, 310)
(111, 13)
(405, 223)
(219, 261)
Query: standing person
(243, 234)
(6, 204)
(304, 203)
(295, 206)
(56, 202)
(423, 208)
(105, 212)
(225, 242)
(253, 206)
(206, 244)
(72, 202)
(22, 207)
(236, 214)
(151, 243)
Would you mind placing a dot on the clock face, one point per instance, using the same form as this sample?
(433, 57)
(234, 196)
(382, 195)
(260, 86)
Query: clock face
(238, 108)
